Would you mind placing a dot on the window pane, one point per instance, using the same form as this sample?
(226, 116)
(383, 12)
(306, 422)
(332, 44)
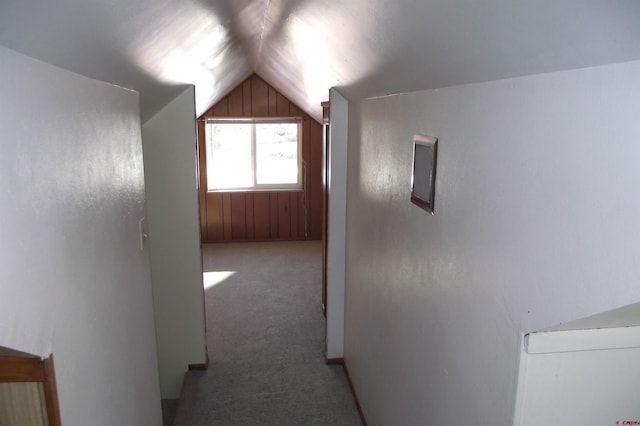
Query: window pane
(276, 153)
(229, 156)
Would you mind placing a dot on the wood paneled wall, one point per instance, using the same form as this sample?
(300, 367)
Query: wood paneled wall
(264, 216)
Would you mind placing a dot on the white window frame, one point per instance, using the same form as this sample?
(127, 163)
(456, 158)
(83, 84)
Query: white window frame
(298, 186)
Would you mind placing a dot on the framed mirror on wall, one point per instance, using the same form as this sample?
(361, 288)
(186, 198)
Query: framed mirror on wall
(423, 177)
(28, 394)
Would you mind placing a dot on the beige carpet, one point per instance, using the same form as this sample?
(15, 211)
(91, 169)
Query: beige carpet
(265, 336)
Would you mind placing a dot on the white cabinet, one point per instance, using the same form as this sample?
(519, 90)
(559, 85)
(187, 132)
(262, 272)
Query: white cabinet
(585, 373)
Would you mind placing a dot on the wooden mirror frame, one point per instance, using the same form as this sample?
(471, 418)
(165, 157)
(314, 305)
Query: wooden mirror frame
(21, 367)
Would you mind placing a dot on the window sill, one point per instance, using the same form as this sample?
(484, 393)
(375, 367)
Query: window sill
(254, 190)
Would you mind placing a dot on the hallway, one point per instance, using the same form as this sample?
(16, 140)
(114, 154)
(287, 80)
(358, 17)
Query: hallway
(265, 334)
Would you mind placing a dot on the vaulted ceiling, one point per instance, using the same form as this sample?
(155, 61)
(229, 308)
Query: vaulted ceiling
(303, 47)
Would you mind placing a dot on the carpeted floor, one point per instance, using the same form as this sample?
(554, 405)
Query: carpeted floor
(265, 337)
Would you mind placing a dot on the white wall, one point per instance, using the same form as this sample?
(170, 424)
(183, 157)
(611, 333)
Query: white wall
(536, 223)
(73, 280)
(336, 241)
(169, 140)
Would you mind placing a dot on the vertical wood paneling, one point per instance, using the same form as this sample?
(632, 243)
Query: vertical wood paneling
(302, 214)
(235, 102)
(259, 98)
(316, 199)
(273, 215)
(306, 170)
(215, 227)
(284, 215)
(249, 200)
(221, 109)
(261, 216)
(256, 215)
(272, 102)
(238, 216)
(202, 181)
(246, 98)
(282, 105)
(294, 205)
(226, 216)
(305, 141)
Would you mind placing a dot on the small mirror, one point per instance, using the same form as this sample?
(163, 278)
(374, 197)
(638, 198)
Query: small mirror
(423, 179)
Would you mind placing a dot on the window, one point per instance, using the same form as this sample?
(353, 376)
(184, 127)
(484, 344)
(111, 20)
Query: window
(253, 155)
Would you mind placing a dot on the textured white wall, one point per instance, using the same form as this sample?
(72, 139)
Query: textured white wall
(169, 140)
(336, 242)
(536, 223)
(73, 280)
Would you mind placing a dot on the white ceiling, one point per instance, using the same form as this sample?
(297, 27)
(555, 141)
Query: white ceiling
(303, 47)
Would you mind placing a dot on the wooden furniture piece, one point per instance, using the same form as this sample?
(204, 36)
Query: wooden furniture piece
(28, 395)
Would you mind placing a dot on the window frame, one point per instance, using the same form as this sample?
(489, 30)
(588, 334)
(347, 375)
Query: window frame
(298, 186)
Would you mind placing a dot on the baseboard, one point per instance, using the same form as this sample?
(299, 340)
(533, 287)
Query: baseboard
(340, 361)
(261, 240)
(335, 361)
(200, 367)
